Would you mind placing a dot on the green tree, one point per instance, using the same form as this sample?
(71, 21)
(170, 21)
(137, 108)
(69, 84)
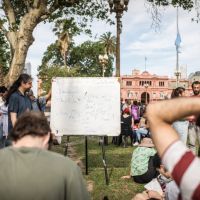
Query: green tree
(109, 43)
(4, 57)
(85, 57)
(82, 60)
(47, 74)
(154, 9)
(185, 4)
(20, 17)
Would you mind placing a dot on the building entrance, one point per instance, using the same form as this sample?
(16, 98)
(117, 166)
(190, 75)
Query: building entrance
(145, 97)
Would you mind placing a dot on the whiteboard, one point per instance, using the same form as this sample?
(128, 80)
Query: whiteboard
(85, 106)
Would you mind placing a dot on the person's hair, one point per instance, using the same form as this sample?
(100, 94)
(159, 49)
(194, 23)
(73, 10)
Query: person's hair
(195, 83)
(135, 103)
(30, 123)
(3, 89)
(198, 121)
(177, 92)
(22, 78)
(126, 111)
(156, 161)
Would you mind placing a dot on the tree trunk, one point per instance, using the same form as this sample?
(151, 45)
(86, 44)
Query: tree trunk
(23, 40)
(18, 61)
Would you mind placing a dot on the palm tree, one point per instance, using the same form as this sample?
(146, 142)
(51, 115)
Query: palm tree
(109, 43)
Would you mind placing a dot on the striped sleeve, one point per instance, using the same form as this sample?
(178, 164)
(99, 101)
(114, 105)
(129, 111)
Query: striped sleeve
(185, 169)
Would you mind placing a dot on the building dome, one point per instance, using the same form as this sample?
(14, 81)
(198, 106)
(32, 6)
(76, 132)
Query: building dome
(145, 73)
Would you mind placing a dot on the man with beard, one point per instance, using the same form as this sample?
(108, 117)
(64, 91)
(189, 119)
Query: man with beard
(193, 130)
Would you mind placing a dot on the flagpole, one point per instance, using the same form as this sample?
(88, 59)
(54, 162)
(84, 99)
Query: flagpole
(145, 59)
(177, 53)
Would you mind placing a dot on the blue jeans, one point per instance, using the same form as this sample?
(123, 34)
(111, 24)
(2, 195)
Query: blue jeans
(141, 131)
(181, 128)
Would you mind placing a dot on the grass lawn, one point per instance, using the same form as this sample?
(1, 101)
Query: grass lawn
(118, 161)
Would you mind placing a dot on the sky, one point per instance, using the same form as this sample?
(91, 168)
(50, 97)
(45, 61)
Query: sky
(138, 40)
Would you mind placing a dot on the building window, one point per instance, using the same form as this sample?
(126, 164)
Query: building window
(141, 83)
(130, 94)
(161, 83)
(136, 95)
(161, 95)
(129, 83)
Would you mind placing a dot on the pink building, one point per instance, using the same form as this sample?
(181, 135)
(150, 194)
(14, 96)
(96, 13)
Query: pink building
(145, 87)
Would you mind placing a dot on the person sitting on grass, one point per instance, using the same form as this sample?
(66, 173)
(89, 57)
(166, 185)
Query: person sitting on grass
(142, 162)
(142, 130)
(162, 187)
(29, 171)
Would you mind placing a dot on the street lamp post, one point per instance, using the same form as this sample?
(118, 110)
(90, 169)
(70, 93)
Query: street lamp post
(146, 86)
(118, 6)
(103, 60)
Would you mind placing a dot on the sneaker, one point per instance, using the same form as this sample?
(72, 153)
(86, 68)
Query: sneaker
(135, 144)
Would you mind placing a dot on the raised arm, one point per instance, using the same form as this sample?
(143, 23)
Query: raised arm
(162, 114)
(48, 96)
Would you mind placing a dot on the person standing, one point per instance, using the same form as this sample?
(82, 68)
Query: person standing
(181, 126)
(135, 112)
(39, 104)
(3, 117)
(17, 100)
(193, 130)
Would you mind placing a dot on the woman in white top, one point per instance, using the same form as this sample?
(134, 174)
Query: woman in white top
(3, 117)
(180, 126)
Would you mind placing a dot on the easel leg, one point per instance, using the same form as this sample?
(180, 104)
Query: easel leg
(66, 149)
(86, 156)
(104, 161)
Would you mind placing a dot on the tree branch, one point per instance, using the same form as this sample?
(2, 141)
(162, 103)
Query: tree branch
(27, 3)
(36, 3)
(10, 37)
(9, 11)
(53, 7)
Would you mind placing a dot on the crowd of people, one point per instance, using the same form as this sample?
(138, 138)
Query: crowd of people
(165, 158)
(173, 127)
(134, 123)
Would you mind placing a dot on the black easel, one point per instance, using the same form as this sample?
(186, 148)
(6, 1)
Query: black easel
(86, 155)
(104, 159)
(66, 149)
